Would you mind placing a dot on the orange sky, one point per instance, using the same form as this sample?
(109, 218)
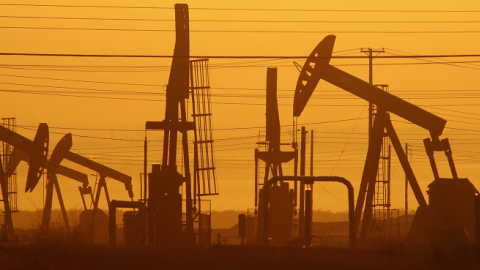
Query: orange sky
(450, 91)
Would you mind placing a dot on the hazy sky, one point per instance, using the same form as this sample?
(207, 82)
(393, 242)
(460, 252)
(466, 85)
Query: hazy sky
(104, 102)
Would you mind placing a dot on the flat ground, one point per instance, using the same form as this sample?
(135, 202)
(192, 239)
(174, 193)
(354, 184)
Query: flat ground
(384, 256)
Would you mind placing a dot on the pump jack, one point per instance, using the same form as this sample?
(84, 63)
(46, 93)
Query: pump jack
(282, 199)
(85, 189)
(53, 168)
(164, 199)
(317, 67)
(62, 151)
(164, 202)
(38, 151)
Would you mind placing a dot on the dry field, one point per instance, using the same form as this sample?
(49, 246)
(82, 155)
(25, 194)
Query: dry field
(386, 256)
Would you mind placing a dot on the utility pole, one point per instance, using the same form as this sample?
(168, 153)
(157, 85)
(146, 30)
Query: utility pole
(406, 188)
(370, 52)
(301, 218)
(376, 200)
(311, 153)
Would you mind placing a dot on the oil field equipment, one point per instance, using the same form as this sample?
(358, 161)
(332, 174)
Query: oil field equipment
(309, 180)
(133, 222)
(38, 151)
(22, 151)
(282, 198)
(8, 183)
(52, 182)
(63, 152)
(170, 221)
(94, 221)
(317, 67)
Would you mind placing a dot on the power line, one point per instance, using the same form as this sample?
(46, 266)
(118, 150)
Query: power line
(469, 113)
(461, 129)
(89, 66)
(458, 93)
(84, 129)
(82, 95)
(86, 81)
(363, 64)
(95, 18)
(234, 88)
(445, 62)
(79, 6)
(81, 70)
(133, 68)
(72, 95)
(96, 90)
(100, 148)
(119, 68)
(27, 127)
(246, 9)
(230, 56)
(224, 139)
(91, 137)
(244, 31)
(232, 21)
(340, 10)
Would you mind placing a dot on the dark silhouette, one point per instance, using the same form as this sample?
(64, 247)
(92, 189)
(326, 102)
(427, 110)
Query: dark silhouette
(282, 198)
(317, 67)
(38, 151)
(164, 202)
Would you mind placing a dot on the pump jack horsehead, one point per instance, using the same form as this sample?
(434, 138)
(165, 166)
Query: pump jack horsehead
(317, 67)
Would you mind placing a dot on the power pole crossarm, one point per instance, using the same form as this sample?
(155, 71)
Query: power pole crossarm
(370, 52)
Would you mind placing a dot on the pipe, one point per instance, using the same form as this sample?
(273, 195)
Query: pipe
(308, 216)
(477, 219)
(310, 180)
(112, 226)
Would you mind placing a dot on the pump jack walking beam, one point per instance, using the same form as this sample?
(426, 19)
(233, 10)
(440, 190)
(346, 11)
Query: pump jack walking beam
(317, 65)
(104, 172)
